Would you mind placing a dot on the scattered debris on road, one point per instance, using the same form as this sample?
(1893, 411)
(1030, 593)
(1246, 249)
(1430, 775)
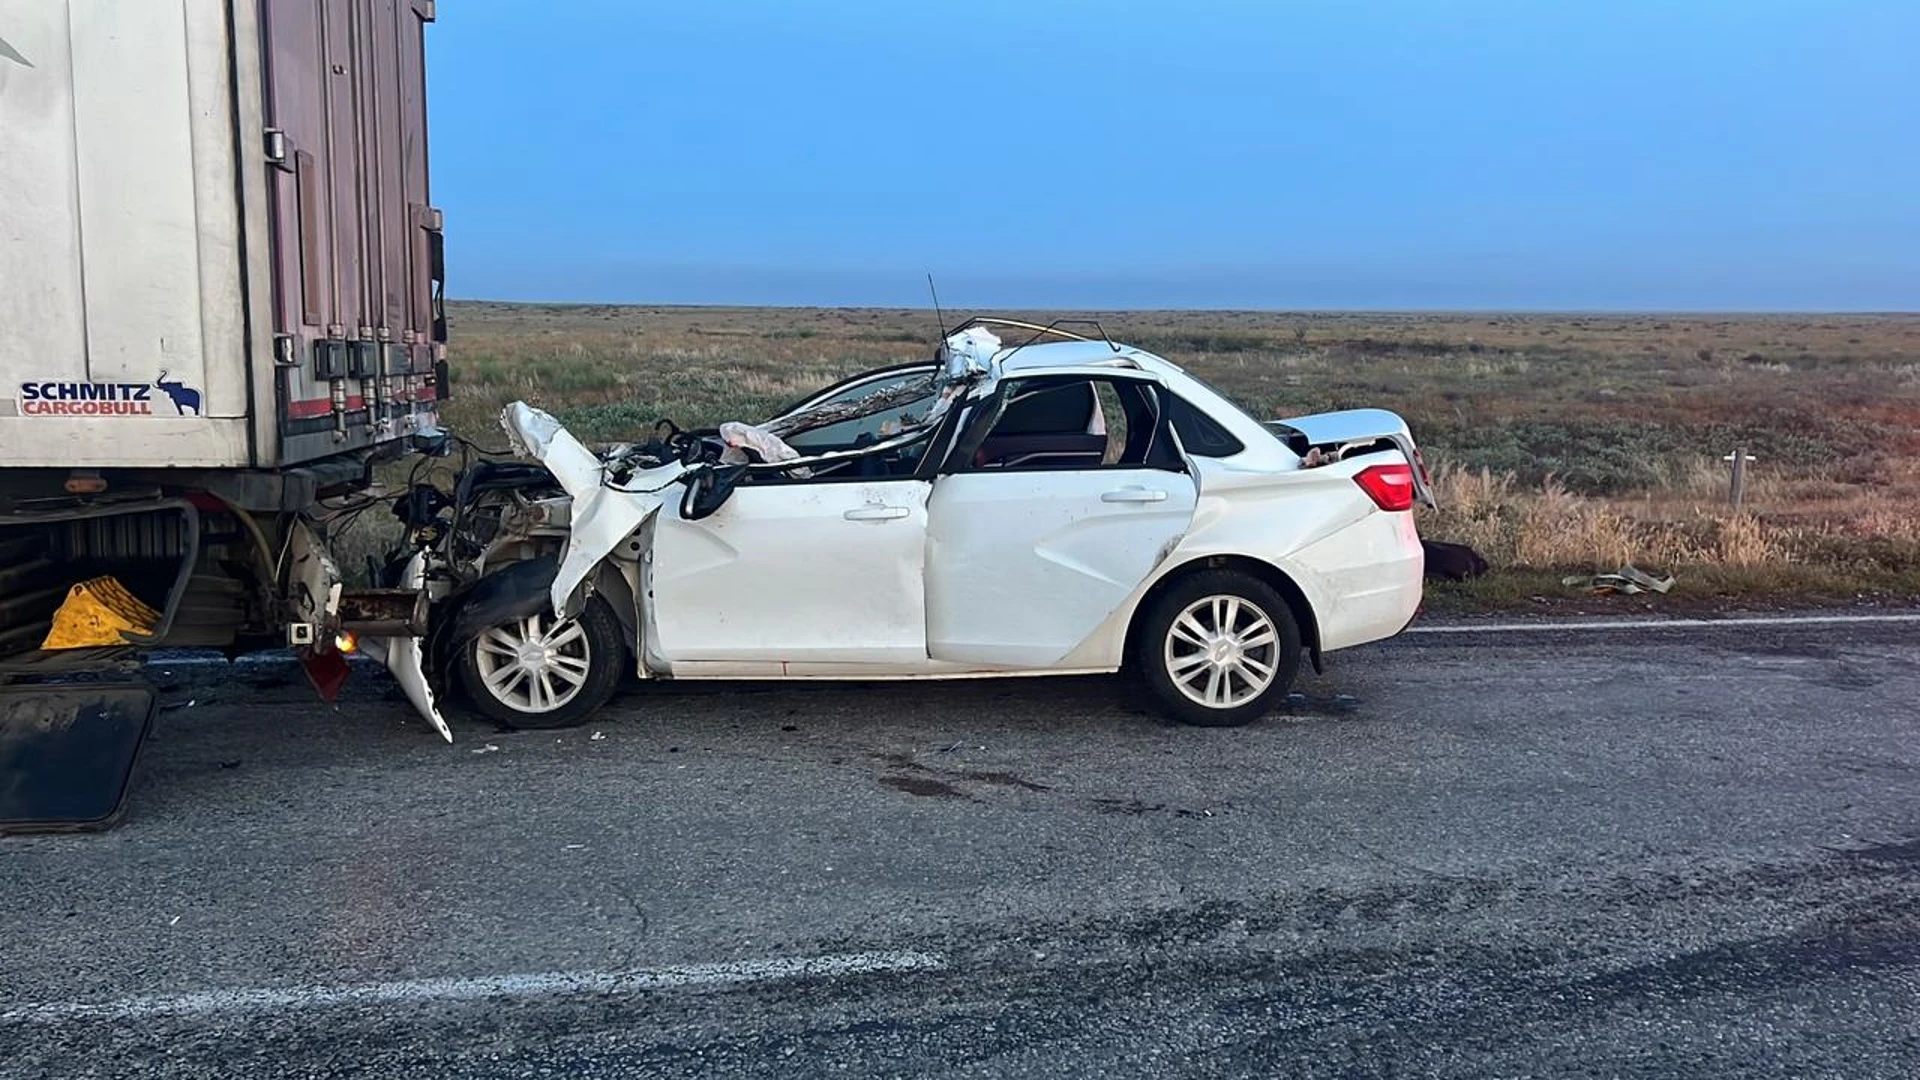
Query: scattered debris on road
(1630, 581)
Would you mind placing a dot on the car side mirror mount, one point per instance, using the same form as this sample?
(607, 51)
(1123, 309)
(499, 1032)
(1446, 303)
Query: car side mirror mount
(708, 489)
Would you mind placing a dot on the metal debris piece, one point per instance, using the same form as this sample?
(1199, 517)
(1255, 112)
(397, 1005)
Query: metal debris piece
(1630, 581)
(487, 749)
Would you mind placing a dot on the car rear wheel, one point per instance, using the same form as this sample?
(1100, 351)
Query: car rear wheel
(1218, 649)
(538, 672)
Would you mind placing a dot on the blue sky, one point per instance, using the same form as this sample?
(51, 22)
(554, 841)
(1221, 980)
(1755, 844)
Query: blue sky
(1298, 154)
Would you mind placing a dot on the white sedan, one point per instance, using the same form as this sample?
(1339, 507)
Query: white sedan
(1062, 505)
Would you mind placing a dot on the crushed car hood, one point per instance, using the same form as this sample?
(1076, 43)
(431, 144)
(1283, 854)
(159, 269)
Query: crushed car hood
(603, 514)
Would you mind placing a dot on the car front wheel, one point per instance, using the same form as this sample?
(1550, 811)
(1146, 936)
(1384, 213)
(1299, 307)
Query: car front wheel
(1218, 649)
(538, 672)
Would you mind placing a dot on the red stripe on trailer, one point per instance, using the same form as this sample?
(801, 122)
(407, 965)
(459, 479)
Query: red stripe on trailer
(312, 407)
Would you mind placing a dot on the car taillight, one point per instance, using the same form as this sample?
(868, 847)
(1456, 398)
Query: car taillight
(1389, 486)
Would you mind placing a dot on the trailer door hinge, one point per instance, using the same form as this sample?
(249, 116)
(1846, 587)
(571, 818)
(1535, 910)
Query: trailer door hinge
(279, 149)
(283, 350)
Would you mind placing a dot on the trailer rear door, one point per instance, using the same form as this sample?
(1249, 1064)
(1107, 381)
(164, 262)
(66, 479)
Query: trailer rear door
(357, 266)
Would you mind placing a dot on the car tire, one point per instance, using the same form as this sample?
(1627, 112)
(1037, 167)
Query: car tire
(535, 674)
(1198, 673)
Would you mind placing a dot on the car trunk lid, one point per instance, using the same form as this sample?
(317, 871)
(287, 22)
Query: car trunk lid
(1341, 434)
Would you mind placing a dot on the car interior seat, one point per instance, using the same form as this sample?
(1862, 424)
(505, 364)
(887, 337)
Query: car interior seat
(1046, 428)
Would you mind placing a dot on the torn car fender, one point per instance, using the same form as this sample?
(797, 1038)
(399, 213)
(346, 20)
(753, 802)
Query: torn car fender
(515, 590)
(406, 658)
(603, 515)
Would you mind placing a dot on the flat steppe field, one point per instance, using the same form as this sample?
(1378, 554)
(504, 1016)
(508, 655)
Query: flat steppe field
(1561, 444)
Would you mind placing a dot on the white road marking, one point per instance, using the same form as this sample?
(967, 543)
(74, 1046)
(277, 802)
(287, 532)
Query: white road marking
(430, 991)
(1562, 625)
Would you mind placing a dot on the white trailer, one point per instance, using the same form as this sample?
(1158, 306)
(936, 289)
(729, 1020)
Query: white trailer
(220, 310)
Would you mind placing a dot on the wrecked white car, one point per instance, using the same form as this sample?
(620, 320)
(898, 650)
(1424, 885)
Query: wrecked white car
(1060, 505)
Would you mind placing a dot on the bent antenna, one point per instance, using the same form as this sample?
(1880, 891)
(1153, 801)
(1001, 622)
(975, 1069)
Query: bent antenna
(938, 316)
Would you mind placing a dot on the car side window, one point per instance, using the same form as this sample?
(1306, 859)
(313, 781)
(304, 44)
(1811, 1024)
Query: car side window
(1073, 423)
(1200, 435)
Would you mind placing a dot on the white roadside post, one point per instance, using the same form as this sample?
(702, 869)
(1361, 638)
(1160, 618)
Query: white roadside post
(1739, 458)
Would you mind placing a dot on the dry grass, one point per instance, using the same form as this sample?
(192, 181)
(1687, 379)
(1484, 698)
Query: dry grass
(1550, 528)
(1560, 443)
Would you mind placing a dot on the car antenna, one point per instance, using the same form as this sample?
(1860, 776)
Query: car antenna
(938, 316)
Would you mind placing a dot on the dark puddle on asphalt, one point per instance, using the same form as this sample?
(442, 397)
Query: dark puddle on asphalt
(922, 781)
(1001, 779)
(926, 781)
(1137, 808)
(920, 785)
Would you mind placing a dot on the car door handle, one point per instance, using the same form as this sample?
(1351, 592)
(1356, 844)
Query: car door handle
(876, 513)
(1134, 495)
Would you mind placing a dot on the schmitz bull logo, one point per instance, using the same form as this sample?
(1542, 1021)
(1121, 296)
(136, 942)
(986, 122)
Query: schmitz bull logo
(184, 397)
(66, 398)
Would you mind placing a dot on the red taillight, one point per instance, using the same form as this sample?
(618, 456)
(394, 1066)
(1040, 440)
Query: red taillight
(1389, 486)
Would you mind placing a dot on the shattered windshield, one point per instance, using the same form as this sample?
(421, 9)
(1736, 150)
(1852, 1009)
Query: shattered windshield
(862, 430)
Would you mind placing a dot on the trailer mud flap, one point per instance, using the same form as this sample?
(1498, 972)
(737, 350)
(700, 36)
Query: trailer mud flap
(67, 753)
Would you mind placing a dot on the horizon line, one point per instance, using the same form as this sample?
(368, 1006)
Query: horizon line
(1542, 311)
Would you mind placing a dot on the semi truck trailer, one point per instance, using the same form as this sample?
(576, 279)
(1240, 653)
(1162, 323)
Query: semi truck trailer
(221, 280)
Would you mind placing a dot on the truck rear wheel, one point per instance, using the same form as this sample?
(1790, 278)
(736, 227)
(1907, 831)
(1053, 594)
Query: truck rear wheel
(536, 672)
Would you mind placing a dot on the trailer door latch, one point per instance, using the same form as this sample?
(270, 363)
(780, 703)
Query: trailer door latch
(279, 149)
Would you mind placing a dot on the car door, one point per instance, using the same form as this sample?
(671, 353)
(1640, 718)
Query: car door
(796, 572)
(1048, 516)
(824, 569)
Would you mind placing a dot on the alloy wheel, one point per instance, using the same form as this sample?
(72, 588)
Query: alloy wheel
(1222, 651)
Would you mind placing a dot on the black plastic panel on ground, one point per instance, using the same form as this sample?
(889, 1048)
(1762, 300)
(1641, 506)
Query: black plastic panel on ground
(67, 753)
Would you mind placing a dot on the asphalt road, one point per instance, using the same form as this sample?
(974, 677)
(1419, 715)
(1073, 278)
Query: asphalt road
(1668, 853)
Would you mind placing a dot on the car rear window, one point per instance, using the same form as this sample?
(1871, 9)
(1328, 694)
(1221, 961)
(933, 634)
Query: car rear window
(1200, 434)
